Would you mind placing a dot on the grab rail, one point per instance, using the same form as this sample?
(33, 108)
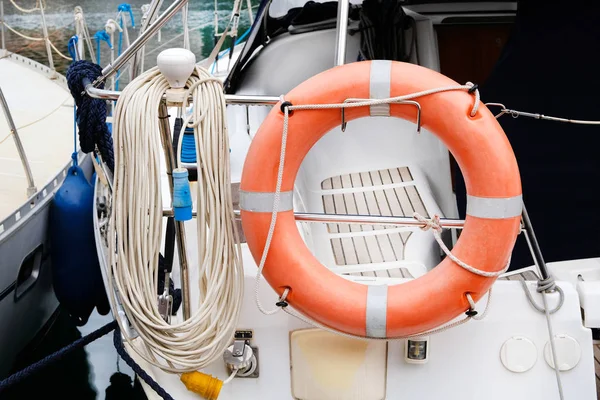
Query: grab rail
(31, 189)
(232, 99)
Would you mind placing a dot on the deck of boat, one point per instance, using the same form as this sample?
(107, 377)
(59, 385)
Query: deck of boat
(42, 109)
(388, 192)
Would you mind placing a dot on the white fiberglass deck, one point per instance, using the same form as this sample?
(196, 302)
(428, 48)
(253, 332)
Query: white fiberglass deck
(42, 109)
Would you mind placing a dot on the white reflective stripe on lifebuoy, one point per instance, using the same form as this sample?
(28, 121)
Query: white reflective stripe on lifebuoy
(376, 320)
(263, 202)
(494, 207)
(380, 86)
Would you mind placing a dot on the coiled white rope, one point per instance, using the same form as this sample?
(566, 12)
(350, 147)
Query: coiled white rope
(136, 226)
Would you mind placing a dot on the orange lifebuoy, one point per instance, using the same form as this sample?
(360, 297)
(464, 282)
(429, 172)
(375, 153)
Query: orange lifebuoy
(493, 212)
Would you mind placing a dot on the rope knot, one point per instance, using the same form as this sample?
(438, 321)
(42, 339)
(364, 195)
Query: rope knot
(433, 223)
(282, 300)
(546, 285)
(474, 88)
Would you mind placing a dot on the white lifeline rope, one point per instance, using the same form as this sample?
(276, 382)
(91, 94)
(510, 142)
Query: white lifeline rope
(34, 39)
(38, 6)
(544, 286)
(435, 225)
(136, 227)
(516, 114)
(351, 103)
(441, 329)
(548, 284)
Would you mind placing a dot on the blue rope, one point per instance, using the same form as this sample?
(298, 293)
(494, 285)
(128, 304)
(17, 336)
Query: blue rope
(72, 43)
(91, 113)
(127, 8)
(56, 356)
(101, 36)
(136, 368)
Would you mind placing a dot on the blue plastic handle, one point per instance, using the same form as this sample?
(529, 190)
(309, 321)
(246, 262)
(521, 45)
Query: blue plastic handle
(182, 197)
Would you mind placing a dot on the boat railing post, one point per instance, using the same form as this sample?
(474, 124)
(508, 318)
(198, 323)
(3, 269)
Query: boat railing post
(31, 189)
(534, 247)
(46, 37)
(165, 134)
(341, 32)
(2, 24)
(232, 99)
(147, 19)
(186, 29)
(250, 15)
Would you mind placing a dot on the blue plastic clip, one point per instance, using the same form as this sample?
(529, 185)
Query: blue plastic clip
(182, 198)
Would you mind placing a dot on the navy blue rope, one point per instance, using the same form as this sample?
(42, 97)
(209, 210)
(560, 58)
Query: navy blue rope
(136, 368)
(91, 113)
(56, 356)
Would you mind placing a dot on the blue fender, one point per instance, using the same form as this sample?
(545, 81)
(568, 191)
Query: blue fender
(75, 267)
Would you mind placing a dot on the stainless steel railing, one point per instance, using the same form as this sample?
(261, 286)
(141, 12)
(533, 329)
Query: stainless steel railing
(31, 189)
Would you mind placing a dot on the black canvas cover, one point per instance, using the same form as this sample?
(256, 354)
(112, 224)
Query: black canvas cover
(551, 65)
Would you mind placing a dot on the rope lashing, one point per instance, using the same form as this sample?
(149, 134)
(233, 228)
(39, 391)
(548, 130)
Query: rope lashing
(547, 285)
(91, 113)
(436, 227)
(56, 356)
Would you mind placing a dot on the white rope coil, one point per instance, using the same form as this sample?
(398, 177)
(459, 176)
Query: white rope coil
(136, 226)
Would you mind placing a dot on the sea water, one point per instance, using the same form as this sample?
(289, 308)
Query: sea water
(60, 20)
